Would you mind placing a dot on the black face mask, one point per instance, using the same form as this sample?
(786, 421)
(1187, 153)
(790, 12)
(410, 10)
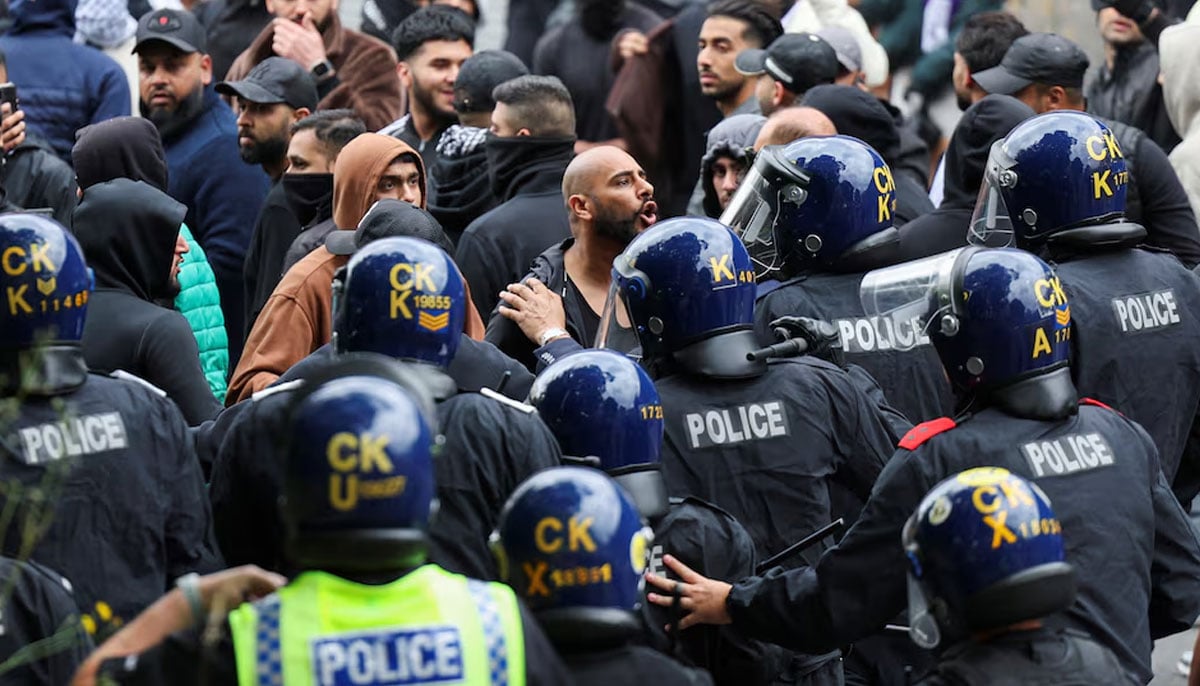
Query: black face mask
(309, 196)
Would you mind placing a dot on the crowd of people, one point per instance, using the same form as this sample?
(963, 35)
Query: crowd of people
(677, 342)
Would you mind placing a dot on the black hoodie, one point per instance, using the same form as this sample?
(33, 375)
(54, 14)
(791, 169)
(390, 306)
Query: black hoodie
(127, 230)
(984, 123)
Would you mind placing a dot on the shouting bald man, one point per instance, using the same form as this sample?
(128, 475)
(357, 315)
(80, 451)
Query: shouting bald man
(609, 201)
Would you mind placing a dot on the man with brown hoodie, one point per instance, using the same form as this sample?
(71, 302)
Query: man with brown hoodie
(297, 318)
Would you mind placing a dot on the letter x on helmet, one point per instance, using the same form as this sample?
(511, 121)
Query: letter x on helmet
(995, 315)
(682, 282)
(985, 551)
(813, 203)
(45, 281)
(358, 482)
(402, 297)
(1053, 172)
(600, 404)
(571, 540)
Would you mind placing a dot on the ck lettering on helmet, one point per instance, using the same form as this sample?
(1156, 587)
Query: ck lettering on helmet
(86, 435)
(752, 422)
(877, 334)
(1146, 311)
(16, 260)
(427, 655)
(886, 185)
(1068, 454)
(548, 534)
(352, 458)
(411, 286)
(1102, 147)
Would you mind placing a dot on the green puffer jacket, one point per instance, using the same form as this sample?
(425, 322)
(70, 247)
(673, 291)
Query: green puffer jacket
(200, 304)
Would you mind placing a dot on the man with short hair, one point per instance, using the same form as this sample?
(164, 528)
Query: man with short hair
(431, 44)
(731, 27)
(787, 68)
(351, 70)
(199, 134)
(1046, 72)
(981, 45)
(273, 96)
(790, 123)
(609, 202)
(532, 142)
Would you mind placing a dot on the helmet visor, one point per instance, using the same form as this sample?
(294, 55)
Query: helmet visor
(991, 225)
(616, 331)
(756, 204)
(913, 294)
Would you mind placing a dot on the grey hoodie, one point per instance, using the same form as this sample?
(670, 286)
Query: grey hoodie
(1178, 55)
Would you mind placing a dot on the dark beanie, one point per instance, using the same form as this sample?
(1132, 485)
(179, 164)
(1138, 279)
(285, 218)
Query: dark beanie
(121, 148)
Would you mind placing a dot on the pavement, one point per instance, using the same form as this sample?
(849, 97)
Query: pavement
(1166, 657)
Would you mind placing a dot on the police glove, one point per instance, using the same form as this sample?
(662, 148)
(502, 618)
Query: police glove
(821, 336)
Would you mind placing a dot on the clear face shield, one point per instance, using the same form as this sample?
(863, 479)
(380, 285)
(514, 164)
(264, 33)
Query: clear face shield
(616, 330)
(991, 225)
(915, 296)
(755, 206)
(923, 627)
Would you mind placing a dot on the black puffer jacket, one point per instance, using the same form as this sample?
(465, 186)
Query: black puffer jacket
(35, 178)
(1130, 93)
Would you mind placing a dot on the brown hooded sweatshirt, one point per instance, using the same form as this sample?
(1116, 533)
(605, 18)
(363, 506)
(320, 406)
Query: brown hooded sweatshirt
(298, 317)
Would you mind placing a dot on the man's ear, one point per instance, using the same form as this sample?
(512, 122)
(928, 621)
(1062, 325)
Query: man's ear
(206, 69)
(404, 73)
(1058, 97)
(778, 92)
(580, 206)
(300, 113)
(524, 132)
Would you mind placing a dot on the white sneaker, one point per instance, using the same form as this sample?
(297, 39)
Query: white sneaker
(1184, 666)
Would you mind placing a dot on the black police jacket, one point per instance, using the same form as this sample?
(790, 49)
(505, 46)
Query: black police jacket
(492, 445)
(128, 510)
(1041, 656)
(631, 664)
(1137, 557)
(901, 359)
(766, 449)
(1135, 327)
(40, 605)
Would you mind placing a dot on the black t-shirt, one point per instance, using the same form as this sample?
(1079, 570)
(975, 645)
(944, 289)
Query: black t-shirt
(624, 340)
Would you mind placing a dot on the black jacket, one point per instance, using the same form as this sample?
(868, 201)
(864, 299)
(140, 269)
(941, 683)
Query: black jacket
(40, 605)
(231, 25)
(1130, 93)
(274, 232)
(497, 248)
(127, 230)
(459, 188)
(945, 228)
(1041, 656)
(35, 178)
(1137, 555)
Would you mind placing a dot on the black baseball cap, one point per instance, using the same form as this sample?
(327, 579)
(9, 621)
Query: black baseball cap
(480, 74)
(385, 219)
(797, 60)
(1045, 58)
(176, 27)
(274, 80)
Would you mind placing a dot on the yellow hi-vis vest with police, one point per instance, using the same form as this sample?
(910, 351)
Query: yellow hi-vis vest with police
(428, 627)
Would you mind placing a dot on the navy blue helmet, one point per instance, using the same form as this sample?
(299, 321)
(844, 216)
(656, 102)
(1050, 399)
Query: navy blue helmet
(570, 540)
(359, 482)
(45, 281)
(985, 551)
(813, 203)
(1056, 171)
(402, 297)
(682, 282)
(600, 404)
(995, 315)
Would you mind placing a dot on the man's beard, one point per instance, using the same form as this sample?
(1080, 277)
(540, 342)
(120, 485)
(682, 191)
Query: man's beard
(724, 91)
(170, 123)
(173, 288)
(963, 100)
(271, 150)
(620, 230)
(424, 98)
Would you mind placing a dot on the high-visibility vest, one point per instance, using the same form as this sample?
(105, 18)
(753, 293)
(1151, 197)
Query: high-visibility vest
(428, 627)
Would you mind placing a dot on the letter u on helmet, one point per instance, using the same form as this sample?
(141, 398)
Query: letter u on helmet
(1053, 172)
(402, 297)
(985, 551)
(571, 543)
(682, 282)
(359, 484)
(601, 404)
(44, 281)
(814, 203)
(996, 316)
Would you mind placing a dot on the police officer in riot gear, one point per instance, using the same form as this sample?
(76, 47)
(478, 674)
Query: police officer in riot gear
(1005, 348)
(986, 598)
(1057, 184)
(404, 298)
(573, 546)
(101, 480)
(601, 406)
(357, 501)
(763, 440)
(818, 214)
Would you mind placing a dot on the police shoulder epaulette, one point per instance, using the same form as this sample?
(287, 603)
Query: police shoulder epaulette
(926, 430)
(501, 398)
(278, 388)
(126, 376)
(1097, 403)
